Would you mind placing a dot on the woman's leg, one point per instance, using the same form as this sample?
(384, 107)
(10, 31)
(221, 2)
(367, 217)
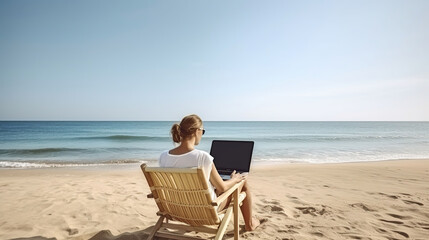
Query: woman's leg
(246, 209)
(251, 223)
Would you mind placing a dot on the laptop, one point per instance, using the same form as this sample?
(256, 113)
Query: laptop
(232, 155)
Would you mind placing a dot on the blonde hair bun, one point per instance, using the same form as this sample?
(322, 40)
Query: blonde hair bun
(186, 128)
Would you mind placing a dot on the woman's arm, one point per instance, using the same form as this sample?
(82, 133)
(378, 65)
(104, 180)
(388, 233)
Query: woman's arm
(222, 185)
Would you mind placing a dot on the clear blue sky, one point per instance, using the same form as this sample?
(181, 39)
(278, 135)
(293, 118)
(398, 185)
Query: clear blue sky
(224, 60)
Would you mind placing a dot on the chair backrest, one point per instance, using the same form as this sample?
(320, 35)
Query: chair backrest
(182, 194)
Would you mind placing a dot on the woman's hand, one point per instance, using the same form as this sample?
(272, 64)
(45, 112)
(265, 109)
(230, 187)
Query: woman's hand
(221, 185)
(237, 177)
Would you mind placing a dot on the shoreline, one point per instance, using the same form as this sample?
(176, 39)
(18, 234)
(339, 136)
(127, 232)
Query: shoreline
(153, 163)
(366, 200)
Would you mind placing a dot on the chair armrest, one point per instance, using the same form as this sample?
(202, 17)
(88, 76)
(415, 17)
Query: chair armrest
(227, 193)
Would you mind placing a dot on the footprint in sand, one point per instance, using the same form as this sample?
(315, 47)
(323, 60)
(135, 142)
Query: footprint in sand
(312, 211)
(291, 197)
(355, 237)
(273, 209)
(287, 231)
(363, 206)
(271, 206)
(72, 231)
(406, 194)
(276, 209)
(296, 200)
(412, 202)
(389, 196)
(317, 234)
(399, 216)
(390, 221)
(307, 210)
(404, 234)
(424, 225)
(273, 201)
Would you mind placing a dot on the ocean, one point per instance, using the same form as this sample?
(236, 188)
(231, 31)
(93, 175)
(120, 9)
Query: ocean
(29, 144)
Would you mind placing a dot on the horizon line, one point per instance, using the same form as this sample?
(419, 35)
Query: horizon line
(35, 120)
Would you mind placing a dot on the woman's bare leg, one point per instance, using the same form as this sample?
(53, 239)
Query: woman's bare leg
(246, 209)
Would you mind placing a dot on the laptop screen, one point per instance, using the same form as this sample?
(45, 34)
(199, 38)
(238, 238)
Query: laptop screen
(232, 155)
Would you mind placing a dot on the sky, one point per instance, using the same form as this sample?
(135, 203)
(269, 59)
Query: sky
(223, 60)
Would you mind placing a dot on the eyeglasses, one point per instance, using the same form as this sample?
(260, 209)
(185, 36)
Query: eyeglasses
(202, 129)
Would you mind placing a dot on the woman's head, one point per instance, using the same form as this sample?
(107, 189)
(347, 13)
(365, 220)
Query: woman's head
(187, 128)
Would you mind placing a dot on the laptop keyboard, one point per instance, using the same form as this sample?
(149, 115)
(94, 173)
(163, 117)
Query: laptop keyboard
(225, 172)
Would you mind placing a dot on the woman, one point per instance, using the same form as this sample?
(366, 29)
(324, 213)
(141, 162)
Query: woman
(188, 134)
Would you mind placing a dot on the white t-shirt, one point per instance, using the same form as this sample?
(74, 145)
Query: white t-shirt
(194, 158)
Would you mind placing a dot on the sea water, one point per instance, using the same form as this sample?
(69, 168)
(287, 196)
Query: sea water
(60, 143)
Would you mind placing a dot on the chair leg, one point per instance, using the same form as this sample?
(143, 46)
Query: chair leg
(156, 228)
(236, 230)
(224, 224)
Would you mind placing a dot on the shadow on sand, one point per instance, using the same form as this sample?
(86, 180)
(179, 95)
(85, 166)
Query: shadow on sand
(34, 238)
(107, 235)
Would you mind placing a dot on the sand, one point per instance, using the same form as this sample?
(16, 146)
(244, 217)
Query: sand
(374, 200)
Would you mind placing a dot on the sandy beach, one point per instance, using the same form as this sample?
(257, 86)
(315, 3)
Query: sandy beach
(372, 200)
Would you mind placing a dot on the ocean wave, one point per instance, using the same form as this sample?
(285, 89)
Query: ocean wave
(66, 151)
(327, 138)
(123, 138)
(48, 164)
(37, 151)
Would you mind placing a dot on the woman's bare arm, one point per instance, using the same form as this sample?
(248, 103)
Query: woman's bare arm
(222, 185)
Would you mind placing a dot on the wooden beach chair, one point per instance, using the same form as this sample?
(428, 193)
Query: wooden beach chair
(182, 195)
